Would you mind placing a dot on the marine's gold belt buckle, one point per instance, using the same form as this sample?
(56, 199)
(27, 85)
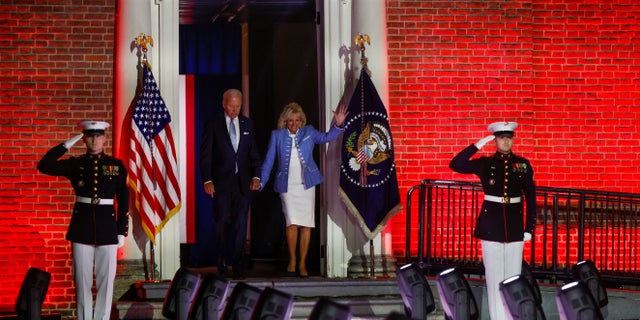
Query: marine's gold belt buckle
(506, 200)
(95, 201)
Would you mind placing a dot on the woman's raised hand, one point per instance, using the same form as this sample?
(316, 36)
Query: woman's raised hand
(340, 114)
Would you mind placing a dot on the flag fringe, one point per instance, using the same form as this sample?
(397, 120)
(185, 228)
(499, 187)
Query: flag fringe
(162, 224)
(363, 225)
(150, 234)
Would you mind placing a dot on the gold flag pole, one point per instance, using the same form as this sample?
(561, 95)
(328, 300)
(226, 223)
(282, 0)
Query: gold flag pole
(359, 40)
(141, 42)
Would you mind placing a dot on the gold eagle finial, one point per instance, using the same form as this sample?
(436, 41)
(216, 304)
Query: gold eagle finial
(360, 39)
(142, 40)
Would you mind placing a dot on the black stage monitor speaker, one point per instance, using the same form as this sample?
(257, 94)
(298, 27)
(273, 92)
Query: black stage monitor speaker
(416, 293)
(575, 302)
(273, 304)
(587, 272)
(32, 293)
(209, 301)
(327, 309)
(456, 297)
(242, 301)
(182, 291)
(519, 299)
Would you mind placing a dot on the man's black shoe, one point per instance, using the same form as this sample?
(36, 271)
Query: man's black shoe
(238, 276)
(222, 269)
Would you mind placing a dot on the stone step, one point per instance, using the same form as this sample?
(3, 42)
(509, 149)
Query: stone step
(361, 308)
(367, 298)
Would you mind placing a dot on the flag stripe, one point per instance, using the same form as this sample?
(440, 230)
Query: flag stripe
(153, 169)
(173, 189)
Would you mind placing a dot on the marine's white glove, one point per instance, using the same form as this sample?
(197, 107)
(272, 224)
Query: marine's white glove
(120, 241)
(69, 143)
(527, 236)
(484, 141)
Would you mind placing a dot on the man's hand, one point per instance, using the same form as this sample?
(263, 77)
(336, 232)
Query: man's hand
(120, 241)
(69, 143)
(209, 188)
(527, 236)
(484, 141)
(255, 184)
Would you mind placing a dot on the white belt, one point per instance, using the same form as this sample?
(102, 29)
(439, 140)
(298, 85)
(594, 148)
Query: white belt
(502, 199)
(94, 200)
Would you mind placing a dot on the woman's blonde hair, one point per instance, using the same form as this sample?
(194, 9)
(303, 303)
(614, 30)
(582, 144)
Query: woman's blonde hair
(289, 109)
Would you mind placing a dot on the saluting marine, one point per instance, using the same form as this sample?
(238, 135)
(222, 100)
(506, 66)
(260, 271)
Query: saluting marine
(506, 178)
(99, 222)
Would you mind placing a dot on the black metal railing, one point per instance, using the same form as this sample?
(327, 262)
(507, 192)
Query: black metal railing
(572, 225)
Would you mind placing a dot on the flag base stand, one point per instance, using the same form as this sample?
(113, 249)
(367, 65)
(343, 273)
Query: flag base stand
(384, 266)
(128, 283)
(151, 290)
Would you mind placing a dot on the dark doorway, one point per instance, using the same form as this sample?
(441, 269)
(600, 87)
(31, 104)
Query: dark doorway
(282, 64)
(283, 69)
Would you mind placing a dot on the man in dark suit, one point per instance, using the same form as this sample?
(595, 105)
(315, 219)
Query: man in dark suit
(230, 166)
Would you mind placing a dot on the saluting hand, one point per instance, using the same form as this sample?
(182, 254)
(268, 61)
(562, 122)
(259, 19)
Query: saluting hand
(69, 143)
(340, 114)
(484, 141)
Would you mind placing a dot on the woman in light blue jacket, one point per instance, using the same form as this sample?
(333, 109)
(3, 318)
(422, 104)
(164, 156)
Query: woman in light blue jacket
(297, 174)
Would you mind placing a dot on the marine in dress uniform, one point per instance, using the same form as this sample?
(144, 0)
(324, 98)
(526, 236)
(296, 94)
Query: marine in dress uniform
(507, 180)
(99, 222)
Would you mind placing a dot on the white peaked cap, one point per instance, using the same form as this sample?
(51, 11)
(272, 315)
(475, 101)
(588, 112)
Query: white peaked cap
(91, 126)
(498, 128)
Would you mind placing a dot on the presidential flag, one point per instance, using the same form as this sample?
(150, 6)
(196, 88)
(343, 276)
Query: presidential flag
(368, 182)
(153, 170)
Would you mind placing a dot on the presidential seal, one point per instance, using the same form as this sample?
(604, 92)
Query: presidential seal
(369, 152)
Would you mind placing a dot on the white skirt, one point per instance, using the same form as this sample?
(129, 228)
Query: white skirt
(299, 205)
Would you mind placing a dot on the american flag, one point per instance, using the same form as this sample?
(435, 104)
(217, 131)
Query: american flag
(153, 170)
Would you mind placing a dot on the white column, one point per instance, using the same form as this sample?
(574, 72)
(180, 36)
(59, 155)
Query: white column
(134, 17)
(166, 26)
(336, 228)
(160, 20)
(341, 20)
(369, 17)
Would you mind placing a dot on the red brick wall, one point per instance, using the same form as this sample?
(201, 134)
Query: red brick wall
(57, 69)
(567, 71)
